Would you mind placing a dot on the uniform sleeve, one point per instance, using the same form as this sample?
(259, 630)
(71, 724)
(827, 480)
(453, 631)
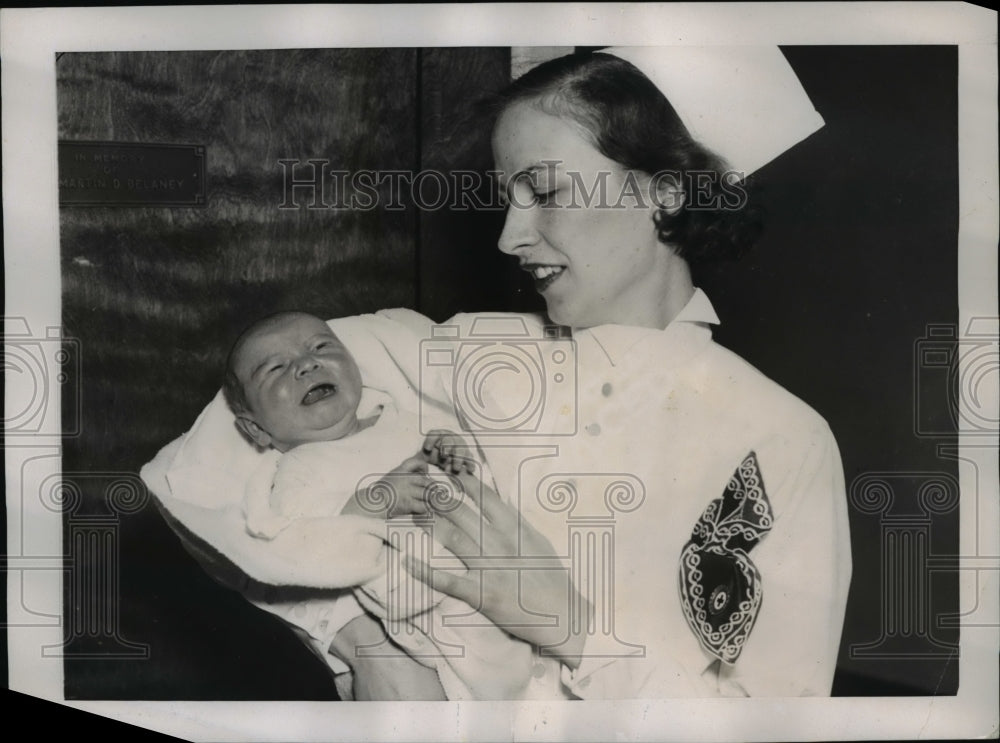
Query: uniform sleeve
(805, 569)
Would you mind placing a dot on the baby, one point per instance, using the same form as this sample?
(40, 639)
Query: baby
(296, 389)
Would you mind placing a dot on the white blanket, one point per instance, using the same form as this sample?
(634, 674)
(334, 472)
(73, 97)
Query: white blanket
(201, 477)
(200, 480)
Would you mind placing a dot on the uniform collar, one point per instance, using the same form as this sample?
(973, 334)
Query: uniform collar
(693, 320)
(699, 309)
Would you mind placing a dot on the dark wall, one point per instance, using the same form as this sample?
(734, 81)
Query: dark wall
(458, 269)
(859, 256)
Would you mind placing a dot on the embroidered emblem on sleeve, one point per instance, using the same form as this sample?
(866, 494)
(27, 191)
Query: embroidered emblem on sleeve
(720, 587)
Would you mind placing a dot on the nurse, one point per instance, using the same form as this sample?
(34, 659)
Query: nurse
(695, 511)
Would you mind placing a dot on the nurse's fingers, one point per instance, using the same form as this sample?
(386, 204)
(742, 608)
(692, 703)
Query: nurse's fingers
(459, 586)
(461, 543)
(458, 515)
(488, 502)
(432, 439)
(449, 451)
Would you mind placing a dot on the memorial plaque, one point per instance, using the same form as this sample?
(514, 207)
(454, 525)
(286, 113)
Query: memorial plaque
(131, 174)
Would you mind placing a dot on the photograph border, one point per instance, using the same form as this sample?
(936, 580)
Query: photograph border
(29, 41)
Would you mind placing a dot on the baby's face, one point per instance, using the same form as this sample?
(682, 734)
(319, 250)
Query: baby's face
(302, 384)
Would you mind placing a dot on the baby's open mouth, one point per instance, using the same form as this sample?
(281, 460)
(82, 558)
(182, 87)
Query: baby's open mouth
(319, 392)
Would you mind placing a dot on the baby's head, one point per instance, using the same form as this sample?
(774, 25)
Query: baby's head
(289, 381)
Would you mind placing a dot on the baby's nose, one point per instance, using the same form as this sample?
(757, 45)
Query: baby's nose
(306, 365)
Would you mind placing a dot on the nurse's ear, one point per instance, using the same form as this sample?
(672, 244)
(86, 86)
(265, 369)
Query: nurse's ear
(249, 428)
(668, 193)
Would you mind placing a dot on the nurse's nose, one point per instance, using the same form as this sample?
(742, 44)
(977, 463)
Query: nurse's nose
(519, 231)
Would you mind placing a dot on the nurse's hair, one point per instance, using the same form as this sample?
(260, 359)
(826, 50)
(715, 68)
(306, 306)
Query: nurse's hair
(630, 121)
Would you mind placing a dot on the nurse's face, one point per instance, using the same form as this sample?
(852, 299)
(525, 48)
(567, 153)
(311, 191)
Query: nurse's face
(594, 264)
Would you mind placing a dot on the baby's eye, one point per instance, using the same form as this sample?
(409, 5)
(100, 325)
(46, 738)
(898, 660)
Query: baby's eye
(276, 367)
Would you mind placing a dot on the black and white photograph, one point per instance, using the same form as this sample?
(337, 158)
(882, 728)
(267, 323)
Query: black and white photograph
(535, 372)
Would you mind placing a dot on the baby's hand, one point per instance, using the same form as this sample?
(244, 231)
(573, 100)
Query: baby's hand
(449, 451)
(398, 493)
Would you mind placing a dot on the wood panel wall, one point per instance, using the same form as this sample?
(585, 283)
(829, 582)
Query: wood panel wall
(137, 280)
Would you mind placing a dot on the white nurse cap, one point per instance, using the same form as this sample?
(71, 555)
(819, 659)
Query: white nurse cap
(744, 103)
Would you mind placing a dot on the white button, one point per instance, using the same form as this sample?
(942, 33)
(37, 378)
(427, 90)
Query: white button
(538, 670)
(594, 429)
(606, 389)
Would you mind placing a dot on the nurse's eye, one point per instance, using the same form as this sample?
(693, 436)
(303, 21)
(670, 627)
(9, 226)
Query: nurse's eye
(546, 198)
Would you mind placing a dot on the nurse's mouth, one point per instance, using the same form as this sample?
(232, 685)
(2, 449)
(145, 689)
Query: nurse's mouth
(319, 392)
(544, 276)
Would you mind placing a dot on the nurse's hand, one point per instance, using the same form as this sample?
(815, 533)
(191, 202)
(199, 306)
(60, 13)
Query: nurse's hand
(532, 604)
